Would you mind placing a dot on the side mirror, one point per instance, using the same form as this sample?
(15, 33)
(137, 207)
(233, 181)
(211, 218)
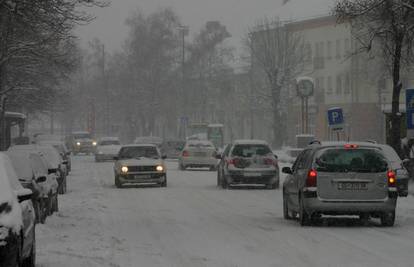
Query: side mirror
(41, 179)
(218, 156)
(164, 156)
(24, 194)
(287, 170)
(116, 158)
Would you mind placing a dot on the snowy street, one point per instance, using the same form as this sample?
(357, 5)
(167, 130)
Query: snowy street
(194, 223)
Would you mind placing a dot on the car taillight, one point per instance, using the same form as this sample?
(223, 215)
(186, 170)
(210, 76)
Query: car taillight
(270, 161)
(392, 179)
(185, 153)
(230, 162)
(311, 178)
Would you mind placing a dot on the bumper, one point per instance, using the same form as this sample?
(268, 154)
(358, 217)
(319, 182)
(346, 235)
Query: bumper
(84, 149)
(198, 162)
(315, 204)
(143, 178)
(236, 177)
(402, 185)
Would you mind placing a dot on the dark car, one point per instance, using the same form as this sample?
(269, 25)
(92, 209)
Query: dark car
(248, 162)
(17, 219)
(81, 142)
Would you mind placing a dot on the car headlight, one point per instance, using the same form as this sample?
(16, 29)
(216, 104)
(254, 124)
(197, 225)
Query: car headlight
(124, 169)
(78, 143)
(160, 168)
(94, 143)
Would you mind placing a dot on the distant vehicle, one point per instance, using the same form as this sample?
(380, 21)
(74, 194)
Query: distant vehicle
(198, 154)
(339, 178)
(172, 148)
(107, 148)
(17, 219)
(61, 147)
(140, 164)
(81, 142)
(32, 173)
(215, 134)
(149, 140)
(248, 162)
(197, 131)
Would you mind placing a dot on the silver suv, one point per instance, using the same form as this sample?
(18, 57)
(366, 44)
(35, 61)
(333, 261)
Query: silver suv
(336, 178)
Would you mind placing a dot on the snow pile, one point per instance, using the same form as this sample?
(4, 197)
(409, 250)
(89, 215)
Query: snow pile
(11, 219)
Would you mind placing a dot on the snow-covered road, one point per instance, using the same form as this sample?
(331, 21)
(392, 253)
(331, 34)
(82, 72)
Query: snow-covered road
(193, 223)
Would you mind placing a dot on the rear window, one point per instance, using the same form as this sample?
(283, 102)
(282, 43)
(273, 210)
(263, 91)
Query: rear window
(201, 144)
(248, 151)
(350, 160)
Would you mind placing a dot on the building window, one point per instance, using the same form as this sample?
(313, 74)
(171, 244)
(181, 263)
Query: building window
(308, 51)
(338, 49)
(338, 85)
(347, 88)
(329, 49)
(322, 49)
(329, 85)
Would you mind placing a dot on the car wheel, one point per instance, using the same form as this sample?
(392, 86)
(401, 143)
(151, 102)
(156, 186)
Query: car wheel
(118, 183)
(303, 215)
(164, 184)
(286, 214)
(44, 212)
(49, 205)
(56, 203)
(224, 183)
(388, 218)
(31, 260)
(182, 167)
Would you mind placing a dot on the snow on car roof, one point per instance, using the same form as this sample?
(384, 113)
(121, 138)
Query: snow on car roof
(21, 162)
(139, 145)
(250, 142)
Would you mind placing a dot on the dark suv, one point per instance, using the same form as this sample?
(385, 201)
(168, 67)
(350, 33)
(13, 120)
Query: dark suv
(248, 162)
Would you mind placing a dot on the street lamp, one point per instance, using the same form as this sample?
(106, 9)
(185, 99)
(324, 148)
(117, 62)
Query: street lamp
(184, 31)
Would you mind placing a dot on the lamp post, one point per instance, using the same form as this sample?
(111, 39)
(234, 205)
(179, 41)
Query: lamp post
(184, 30)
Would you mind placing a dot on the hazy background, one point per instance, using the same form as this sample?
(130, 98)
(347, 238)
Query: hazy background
(109, 25)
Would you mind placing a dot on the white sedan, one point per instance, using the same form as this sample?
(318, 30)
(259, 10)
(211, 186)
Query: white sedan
(198, 154)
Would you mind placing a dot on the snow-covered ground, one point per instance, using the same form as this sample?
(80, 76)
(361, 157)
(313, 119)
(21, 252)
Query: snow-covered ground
(193, 223)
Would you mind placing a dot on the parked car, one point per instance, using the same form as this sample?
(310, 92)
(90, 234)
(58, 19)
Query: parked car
(398, 166)
(63, 150)
(248, 162)
(32, 174)
(54, 162)
(107, 148)
(140, 164)
(172, 148)
(17, 219)
(338, 178)
(198, 154)
(81, 142)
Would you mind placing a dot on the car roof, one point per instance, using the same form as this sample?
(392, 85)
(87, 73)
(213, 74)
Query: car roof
(250, 142)
(109, 138)
(325, 144)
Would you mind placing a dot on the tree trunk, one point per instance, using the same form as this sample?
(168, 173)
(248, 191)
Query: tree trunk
(277, 126)
(397, 86)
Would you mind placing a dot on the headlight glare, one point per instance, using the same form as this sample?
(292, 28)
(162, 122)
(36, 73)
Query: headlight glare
(78, 143)
(160, 168)
(94, 143)
(124, 169)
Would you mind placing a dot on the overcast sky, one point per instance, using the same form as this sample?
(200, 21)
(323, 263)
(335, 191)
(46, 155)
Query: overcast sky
(237, 15)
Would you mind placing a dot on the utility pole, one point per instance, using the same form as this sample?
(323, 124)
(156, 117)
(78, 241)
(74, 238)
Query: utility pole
(105, 86)
(184, 30)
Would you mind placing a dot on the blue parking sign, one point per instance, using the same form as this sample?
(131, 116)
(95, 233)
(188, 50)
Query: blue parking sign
(335, 118)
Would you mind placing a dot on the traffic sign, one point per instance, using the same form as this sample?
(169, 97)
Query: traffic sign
(409, 104)
(336, 118)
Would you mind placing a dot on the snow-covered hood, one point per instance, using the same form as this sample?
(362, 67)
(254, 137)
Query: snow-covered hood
(109, 150)
(140, 162)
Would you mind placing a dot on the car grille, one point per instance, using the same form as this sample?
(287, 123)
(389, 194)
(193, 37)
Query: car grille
(142, 168)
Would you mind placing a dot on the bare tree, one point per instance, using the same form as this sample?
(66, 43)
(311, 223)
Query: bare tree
(278, 53)
(383, 28)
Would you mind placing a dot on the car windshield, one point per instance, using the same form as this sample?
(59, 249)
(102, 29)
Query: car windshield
(250, 150)
(350, 160)
(82, 136)
(109, 142)
(138, 152)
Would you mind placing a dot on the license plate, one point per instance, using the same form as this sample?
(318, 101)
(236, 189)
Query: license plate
(352, 186)
(252, 174)
(142, 176)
